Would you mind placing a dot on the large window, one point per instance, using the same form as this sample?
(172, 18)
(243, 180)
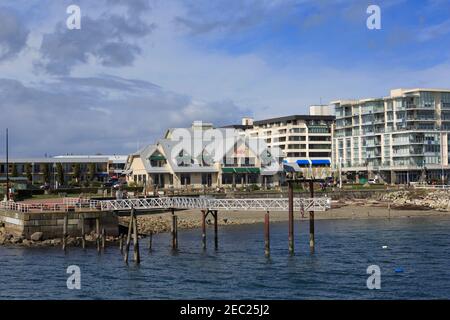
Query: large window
(185, 179)
(207, 179)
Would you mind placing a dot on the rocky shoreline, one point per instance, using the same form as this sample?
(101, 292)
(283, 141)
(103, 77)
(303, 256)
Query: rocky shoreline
(36, 240)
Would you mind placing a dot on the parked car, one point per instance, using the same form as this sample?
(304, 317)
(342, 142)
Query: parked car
(45, 186)
(372, 181)
(119, 184)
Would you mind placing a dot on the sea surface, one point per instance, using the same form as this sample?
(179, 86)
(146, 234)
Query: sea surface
(415, 264)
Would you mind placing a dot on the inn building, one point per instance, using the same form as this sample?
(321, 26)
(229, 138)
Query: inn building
(204, 156)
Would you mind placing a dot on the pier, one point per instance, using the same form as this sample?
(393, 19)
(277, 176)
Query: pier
(78, 217)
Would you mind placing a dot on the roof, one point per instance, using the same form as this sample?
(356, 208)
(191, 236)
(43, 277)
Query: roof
(294, 117)
(394, 93)
(56, 160)
(217, 143)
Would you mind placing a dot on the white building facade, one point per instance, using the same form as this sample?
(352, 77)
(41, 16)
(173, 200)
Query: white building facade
(402, 138)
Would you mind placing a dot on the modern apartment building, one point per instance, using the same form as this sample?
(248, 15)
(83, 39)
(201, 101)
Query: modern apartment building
(303, 139)
(401, 138)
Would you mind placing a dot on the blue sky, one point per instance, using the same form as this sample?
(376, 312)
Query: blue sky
(138, 67)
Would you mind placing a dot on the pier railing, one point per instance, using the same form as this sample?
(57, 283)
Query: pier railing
(262, 204)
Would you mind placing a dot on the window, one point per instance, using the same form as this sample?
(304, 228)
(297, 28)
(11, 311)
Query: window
(207, 179)
(320, 154)
(319, 138)
(185, 179)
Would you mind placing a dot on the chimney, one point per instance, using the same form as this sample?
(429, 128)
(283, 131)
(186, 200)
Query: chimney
(247, 121)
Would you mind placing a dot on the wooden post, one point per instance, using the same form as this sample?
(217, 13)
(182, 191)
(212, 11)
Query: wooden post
(204, 228)
(174, 230)
(137, 256)
(64, 237)
(97, 233)
(267, 234)
(311, 219)
(127, 246)
(121, 243)
(291, 215)
(103, 238)
(216, 235)
(83, 232)
(389, 210)
(150, 240)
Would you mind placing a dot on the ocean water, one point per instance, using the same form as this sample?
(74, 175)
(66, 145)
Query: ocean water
(240, 270)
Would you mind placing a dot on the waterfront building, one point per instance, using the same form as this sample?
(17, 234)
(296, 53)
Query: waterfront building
(204, 156)
(401, 138)
(304, 139)
(73, 167)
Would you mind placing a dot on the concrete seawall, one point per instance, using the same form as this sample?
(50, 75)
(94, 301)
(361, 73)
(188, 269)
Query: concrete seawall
(51, 223)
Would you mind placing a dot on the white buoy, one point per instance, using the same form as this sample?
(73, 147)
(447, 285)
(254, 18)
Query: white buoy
(384, 247)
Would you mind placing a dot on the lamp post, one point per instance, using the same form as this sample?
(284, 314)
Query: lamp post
(7, 166)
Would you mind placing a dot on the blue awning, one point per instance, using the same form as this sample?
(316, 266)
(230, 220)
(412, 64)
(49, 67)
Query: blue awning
(291, 167)
(303, 162)
(321, 162)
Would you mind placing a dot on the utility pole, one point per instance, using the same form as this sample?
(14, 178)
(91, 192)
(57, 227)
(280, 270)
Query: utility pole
(7, 166)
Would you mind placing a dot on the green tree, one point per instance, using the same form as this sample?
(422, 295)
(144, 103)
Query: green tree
(45, 167)
(60, 173)
(28, 172)
(76, 172)
(14, 172)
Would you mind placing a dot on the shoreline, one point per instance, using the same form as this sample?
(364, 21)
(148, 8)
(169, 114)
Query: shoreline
(191, 219)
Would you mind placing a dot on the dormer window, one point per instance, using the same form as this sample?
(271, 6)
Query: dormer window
(157, 160)
(184, 159)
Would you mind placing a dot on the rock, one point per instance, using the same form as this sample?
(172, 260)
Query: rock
(56, 242)
(27, 243)
(17, 240)
(37, 236)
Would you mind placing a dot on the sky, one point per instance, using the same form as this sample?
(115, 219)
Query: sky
(139, 67)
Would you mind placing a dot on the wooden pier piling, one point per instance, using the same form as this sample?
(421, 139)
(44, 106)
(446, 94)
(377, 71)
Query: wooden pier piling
(97, 233)
(174, 232)
(267, 234)
(83, 233)
(291, 215)
(204, 229)
(389, 210)
(64, 237)
(311, 220)
(137, 255)
(103, 238)
(216, 235)
(127, 246)
(150, 240)
(121, 243)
